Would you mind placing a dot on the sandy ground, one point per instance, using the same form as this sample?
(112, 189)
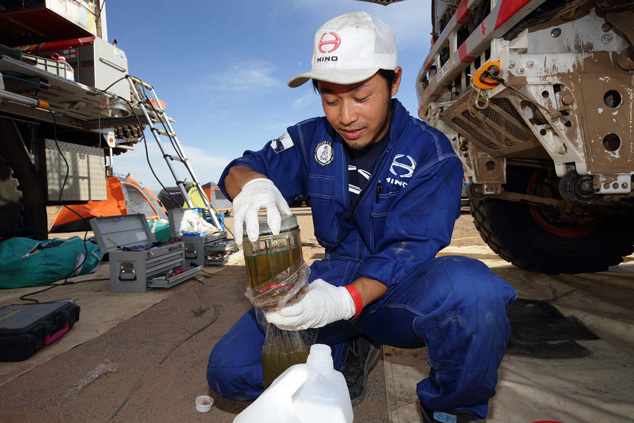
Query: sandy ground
(153, 381)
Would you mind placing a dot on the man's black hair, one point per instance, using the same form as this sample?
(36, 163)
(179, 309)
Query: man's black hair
(388, 75)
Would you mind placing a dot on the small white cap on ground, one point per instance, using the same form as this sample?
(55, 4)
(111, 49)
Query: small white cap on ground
(204, 403)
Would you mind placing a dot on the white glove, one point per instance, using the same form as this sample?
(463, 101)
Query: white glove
(255, 195)
(323, 304)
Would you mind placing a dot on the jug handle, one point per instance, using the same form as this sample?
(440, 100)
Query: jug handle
(292, 380)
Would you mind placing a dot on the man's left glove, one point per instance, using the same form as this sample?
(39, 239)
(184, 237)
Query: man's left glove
(259, 193)
(323, 304)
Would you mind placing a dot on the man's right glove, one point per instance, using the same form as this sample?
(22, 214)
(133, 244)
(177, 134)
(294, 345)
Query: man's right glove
(323, 304)
(255, 195)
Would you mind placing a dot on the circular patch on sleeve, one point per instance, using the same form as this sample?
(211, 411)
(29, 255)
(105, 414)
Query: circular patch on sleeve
(324, 153)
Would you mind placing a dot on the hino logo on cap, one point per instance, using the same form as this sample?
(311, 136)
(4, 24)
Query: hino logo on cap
(329, 42)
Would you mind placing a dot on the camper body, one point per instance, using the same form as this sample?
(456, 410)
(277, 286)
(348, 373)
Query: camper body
(65, 109)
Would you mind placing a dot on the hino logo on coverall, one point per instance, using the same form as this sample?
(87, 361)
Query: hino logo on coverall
(401, 170)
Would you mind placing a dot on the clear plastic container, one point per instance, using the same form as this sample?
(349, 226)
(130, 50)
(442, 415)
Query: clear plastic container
(305, 393)
(276, 271)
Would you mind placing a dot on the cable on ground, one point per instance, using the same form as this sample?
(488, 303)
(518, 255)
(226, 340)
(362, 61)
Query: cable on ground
(191, 335)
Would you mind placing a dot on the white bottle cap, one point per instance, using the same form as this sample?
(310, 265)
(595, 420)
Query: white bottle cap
(204, 403)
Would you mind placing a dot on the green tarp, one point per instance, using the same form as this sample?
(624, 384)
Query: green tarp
(26, 262)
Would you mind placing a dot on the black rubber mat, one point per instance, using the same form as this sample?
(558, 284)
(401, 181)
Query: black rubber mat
(539, 330)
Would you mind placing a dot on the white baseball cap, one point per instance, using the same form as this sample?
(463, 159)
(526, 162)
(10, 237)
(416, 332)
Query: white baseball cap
(349, 49)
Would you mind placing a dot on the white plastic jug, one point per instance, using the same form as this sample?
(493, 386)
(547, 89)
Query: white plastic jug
(305, 393)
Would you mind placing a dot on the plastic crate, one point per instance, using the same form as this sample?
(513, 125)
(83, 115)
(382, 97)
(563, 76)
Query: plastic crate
(49, 65)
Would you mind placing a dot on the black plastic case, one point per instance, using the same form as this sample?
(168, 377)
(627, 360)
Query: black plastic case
(27, 328)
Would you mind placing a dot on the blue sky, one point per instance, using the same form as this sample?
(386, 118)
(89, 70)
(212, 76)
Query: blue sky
(222, 67)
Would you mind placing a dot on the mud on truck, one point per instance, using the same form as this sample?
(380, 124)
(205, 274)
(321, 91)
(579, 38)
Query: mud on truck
(536, 99)
(65, 109)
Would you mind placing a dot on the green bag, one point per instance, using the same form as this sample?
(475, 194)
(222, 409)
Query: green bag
(27, 262)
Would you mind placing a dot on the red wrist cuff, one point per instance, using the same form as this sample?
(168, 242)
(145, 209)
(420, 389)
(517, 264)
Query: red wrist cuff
(356, 297)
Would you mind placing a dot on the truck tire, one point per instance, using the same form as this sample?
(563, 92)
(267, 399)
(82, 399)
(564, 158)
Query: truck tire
(544, 240)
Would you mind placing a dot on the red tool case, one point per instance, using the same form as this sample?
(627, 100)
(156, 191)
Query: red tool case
(27, 328)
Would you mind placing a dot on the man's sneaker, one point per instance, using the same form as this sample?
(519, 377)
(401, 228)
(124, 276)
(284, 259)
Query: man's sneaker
(360, 357)
(452, 416)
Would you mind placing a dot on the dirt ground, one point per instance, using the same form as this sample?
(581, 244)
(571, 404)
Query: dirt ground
(158, 378)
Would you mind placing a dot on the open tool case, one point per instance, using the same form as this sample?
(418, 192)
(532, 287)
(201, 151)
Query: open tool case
(137, 261)
(201, 249)
(27, 328)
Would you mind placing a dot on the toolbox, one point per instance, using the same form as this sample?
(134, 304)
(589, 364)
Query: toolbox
(137, 261)
(201, 248)
(27, 328)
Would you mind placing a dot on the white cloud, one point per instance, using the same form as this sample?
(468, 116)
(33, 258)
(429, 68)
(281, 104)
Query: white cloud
(206, 168)
(245, 77)
(306, 99)
(411, 22)
(276, 128)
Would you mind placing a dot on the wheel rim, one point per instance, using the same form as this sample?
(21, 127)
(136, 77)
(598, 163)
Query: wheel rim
(555, 221)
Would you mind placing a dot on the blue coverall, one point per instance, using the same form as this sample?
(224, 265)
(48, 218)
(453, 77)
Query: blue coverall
(455, 306)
